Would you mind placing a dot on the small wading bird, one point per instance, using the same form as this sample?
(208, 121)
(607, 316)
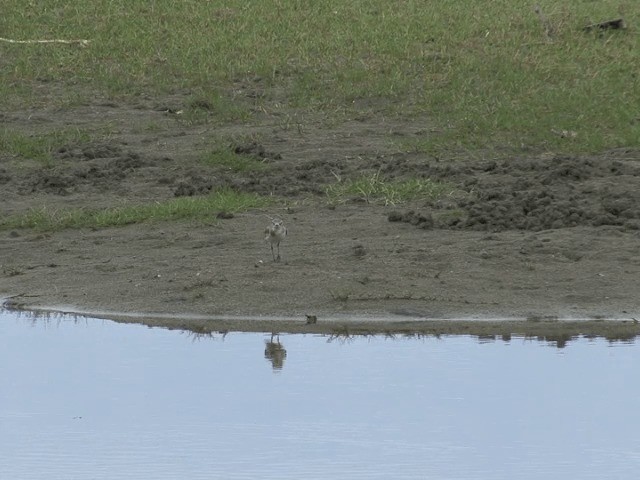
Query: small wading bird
(275, 233)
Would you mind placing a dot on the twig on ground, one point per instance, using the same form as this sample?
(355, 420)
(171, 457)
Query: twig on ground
(617, 24)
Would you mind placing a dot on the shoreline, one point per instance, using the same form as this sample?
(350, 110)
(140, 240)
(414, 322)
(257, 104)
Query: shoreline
(550, 328)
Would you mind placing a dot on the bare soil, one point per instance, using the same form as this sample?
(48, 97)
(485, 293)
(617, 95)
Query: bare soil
(535, 237)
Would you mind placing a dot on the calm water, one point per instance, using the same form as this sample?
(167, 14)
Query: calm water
(93, 399)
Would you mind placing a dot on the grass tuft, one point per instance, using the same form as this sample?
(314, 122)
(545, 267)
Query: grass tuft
(375, 189)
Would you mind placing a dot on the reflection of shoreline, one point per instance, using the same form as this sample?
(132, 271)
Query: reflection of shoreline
(275, 352)
(544, 328)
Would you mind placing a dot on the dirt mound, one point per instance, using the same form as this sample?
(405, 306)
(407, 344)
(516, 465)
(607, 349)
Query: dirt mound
(538, 194)
(193, 185)
(257, 151)
(96, 166)
(89, 152)
(419, 220)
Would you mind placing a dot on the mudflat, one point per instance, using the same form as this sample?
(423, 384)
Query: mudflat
(535, 237)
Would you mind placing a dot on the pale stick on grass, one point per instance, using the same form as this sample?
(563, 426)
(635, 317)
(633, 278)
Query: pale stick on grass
(81, 42)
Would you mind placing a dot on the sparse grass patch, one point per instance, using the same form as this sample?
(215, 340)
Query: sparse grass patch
(375, 189)
(39, 147)
(204, 109)
(183, 208)
(150, 127)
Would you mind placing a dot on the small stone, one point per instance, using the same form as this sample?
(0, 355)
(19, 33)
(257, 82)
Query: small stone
(359, 251)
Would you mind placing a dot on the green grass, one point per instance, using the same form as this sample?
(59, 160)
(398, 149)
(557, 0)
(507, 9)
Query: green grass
(478, 74)
(375, 189)
(184, 208)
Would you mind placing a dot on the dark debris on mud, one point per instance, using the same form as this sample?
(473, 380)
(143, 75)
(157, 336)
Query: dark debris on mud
(99, 167)
(535, 194)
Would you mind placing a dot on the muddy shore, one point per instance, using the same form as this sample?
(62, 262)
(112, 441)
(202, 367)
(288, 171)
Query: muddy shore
(536, 238)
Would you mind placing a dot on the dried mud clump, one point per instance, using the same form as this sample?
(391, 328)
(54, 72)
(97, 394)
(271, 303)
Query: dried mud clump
(51, 182)
(90, 152)
(257, 151)
(98, 167)
(5, 177)
(285, 180)
(193, 186)
(417, 219)
(539, 194)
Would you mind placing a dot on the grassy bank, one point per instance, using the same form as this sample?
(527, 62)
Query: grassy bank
(484, 74)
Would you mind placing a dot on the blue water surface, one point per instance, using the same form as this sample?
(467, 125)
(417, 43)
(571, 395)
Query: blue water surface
(93, 399)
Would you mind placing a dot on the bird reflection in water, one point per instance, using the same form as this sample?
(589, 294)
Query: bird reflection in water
(275, 352)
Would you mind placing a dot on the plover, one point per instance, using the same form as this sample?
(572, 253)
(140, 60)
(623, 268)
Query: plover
(275, 233)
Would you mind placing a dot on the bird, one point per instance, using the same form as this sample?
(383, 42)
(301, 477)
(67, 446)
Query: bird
(311, 319)
(275, 233)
